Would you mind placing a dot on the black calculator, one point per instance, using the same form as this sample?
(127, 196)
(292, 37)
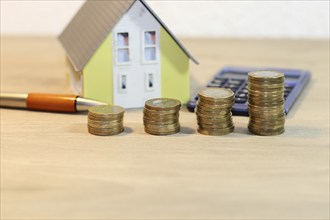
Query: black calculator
(235, 78)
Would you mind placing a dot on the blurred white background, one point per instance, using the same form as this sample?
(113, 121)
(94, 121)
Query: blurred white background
(188, 18)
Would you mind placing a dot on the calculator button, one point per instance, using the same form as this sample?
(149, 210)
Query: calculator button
(245, 91)
(220, 78)
(288, 88)
(233, 87)
(241, 95)
(218, 81)
(240, 100)
(213, 85)
(286, 93)
(235, 82)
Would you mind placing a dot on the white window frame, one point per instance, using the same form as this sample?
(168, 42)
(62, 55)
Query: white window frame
(148, 88)
(120, 82)
(144, 46)
(122, 47)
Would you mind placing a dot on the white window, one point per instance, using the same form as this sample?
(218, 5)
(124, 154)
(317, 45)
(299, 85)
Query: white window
(150, 49)
(122, 82)
(122, 44)
(150, 81)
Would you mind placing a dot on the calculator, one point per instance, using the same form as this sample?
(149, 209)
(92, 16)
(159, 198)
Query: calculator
(236, 79)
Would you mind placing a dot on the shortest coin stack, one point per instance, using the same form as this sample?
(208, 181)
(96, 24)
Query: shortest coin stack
(266, 102)
(105, 120)
(161, 116)
(213, 111)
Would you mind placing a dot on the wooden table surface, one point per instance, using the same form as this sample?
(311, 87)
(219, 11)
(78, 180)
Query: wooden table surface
(52, 168)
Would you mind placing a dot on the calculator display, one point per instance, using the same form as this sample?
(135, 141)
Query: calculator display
(235, 78)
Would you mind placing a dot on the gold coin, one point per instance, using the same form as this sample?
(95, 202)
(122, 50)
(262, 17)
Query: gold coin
(267, 104)
(161, 133)
(220, 113)
(105, 125)
(265, 86)
(163, 104)
(163, 126)
(267, 116)
(261, 115)
(216, 101)
(265, 126)
(262, 108)
(161, 130)
(214, 106)
(106, 118)
(100, 121)
(160, 119)
(216, 132)
(265, 98)
(160, 112)
(213, 122)
(215, 126)
(266, 132)
(265, 120)
(266, 76)
(258, 93)
(213, 94)
(213, 116)
(146, 122)
(106, 110)
(264, 82)
(106, 129)
(170, 115)
(104, 132)
(264, 111)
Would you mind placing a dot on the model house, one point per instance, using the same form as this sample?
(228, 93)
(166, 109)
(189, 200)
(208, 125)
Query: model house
(123, 54)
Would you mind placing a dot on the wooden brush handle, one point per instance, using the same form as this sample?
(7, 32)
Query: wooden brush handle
(50, 102)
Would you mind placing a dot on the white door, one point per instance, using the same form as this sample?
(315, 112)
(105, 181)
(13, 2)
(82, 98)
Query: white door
(136, 58)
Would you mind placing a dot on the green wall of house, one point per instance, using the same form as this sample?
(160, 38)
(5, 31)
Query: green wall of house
(98, 73)
(175, 77)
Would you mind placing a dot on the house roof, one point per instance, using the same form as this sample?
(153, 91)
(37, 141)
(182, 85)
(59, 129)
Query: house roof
(93, 23)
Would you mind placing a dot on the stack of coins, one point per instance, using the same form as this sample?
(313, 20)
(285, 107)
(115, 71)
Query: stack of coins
(213, 111)
(161, 116)
(266, 102)
(105, 120)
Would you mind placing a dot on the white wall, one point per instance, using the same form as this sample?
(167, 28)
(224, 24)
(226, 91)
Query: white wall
(293, 19)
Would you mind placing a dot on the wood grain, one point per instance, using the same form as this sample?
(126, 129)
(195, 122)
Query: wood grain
(51, 168)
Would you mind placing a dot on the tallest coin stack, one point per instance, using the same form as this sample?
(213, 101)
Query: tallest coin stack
(266, 102)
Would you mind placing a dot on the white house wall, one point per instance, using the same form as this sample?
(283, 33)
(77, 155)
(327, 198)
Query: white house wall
(137, 20)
